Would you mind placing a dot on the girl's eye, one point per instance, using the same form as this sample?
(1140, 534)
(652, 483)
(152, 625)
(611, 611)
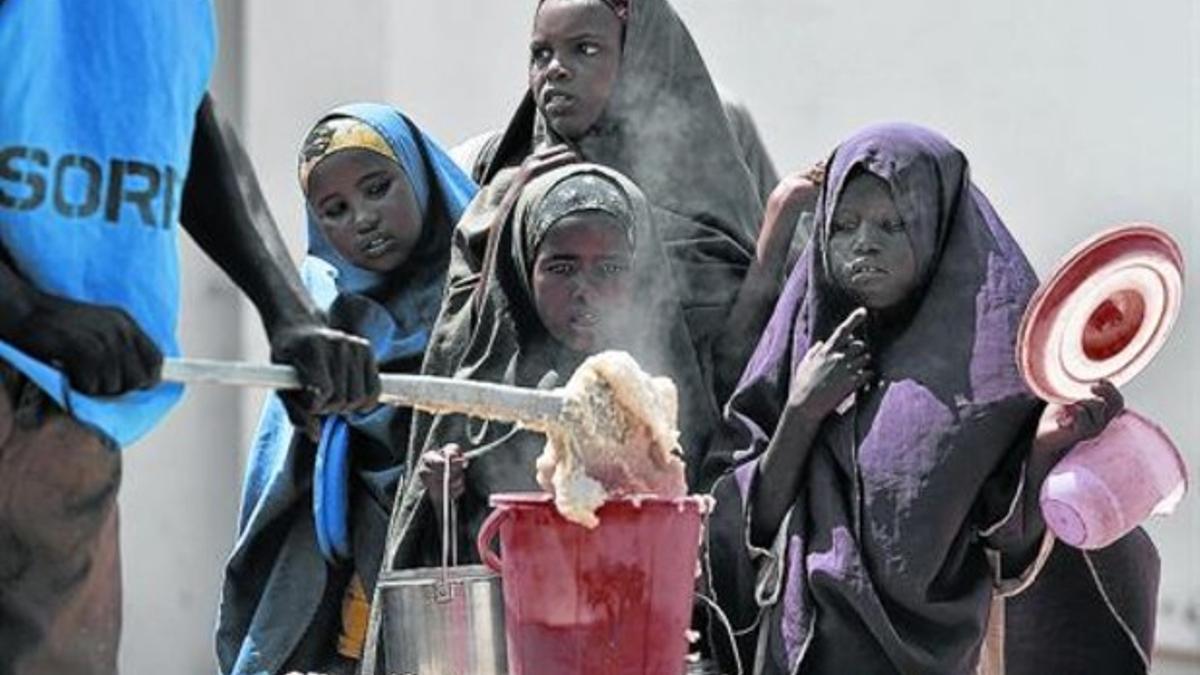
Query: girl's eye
(561, 268)
(539, 54)
(613, 269)
(335, 210)
(839, 226)
(589, 48)
(378, 188)
(894, 226)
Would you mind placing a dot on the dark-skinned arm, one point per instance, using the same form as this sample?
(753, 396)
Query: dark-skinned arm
(224, 211)
(830, 371)
(778, 476)
(1059, 429)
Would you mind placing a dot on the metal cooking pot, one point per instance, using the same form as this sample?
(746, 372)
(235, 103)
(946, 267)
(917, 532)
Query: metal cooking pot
(443, 621)
(446, 620)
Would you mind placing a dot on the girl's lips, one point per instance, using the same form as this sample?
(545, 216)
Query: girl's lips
(584, 319)
(557, 102)
(863, 271)
(377, 246)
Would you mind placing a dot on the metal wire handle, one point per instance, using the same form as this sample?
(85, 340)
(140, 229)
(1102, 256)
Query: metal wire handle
(449, 527)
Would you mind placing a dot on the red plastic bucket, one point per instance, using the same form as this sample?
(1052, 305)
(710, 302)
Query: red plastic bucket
(614, 600)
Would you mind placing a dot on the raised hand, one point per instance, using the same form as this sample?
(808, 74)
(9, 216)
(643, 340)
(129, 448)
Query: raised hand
(794, 193)
(543, 160)
(1062, 426)
(831, 370)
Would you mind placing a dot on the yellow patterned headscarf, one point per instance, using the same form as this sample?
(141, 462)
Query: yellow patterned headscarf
(339, 133)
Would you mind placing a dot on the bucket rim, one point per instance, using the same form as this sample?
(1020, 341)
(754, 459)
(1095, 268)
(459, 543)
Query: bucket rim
(434, 574)
(519, 499)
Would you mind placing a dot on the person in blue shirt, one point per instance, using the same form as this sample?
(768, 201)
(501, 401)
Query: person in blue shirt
(109, 142)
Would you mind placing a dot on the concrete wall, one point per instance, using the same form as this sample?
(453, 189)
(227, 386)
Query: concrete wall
(1075, 115)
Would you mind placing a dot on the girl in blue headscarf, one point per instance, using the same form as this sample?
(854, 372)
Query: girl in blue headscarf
(382, 201)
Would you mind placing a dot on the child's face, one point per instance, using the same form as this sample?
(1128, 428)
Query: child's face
(575, 52)
(365, 206)
(582, 279)
(870, 254)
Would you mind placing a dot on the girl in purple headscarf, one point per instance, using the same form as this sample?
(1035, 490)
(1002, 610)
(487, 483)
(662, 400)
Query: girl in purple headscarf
(890, 455)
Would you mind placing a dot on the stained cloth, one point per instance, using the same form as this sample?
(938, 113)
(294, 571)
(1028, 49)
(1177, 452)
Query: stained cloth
(881, 564)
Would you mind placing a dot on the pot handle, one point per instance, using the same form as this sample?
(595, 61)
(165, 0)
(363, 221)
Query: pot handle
(488, 533)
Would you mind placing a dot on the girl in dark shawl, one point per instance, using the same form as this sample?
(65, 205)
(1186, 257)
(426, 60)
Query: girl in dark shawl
(890, 457)
(622, 84)
(382, 200)
(580, 270)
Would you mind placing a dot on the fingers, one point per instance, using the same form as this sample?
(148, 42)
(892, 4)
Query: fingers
(1114, 400)
(362, 374)
(858, 370)
(360, 378)
(853, 356)
(117, 365)
(353, 378)
(553, 151)
(128, 343)
(547, 159)
(1089, 418)
(337, 370)
(373, 387)
(855, 347)
(551, 163)
(432, 465)
(864, 377)
(843, 334)
(107, 354)
(435, 461)
(101, 364)
(1084, 419)
(343, 368)
(150, 357)
(816, 173)
(312, 367)
(297, 407)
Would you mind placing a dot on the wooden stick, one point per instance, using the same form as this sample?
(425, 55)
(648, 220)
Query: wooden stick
(486, 400)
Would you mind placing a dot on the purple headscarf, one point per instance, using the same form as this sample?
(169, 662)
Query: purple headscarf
(881, 565)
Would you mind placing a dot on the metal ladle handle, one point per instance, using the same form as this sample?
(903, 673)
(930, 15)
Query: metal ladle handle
(486, 400)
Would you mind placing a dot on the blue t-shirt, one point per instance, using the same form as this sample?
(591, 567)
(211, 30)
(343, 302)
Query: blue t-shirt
(97, 109)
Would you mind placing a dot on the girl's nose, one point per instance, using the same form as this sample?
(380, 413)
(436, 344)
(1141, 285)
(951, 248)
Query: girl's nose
(866, 239)
(582, 290)
(365, 220)
(557, 70)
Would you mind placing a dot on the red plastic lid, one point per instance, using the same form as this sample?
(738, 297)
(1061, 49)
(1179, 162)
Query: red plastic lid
(1103, 314)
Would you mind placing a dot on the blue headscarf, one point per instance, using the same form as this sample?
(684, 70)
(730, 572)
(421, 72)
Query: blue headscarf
(394, 311)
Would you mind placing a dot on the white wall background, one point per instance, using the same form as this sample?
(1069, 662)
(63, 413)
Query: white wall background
(1076, 115)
